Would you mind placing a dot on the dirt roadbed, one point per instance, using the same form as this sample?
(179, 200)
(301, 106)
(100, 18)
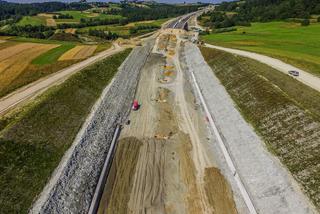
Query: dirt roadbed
(160, 165)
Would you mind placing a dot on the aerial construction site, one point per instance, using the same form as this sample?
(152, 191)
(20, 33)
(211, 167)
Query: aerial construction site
(165, 136)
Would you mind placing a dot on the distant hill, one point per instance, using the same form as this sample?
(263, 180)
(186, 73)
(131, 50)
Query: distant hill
(267, 10)
(160, 1)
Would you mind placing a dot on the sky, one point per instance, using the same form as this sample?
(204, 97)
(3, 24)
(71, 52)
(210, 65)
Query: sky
(166, 1)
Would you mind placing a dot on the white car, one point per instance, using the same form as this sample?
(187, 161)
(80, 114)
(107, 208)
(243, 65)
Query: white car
(294, 73)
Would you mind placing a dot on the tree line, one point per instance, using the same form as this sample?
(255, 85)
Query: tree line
(16, 11)
(153, 11)
(230, 14)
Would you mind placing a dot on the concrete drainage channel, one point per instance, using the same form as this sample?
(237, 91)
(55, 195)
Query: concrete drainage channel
(228, 158)
(104, 174)
(73, 185)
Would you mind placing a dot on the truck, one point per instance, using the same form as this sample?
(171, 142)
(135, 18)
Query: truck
(135, 105)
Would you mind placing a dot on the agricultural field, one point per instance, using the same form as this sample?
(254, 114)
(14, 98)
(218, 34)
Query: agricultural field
(124, 31)
(283, 111)
(32, 20)
(24, 60)
(78, 52)
(28, 159)
(15, 59)
(47, 18)
(77, 15)
(288, 41)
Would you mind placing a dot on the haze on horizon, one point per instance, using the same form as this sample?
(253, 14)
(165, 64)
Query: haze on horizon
(161, 1)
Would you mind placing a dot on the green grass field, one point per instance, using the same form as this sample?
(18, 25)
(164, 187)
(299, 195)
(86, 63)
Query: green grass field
(123, 30)
(42, 41)
(52, 55)
(299, 46)
(33, 140)
(32, 20)
(77, 15)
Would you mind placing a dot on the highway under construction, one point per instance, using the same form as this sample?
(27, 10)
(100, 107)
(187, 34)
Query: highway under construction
(184, 149)
(160, 164)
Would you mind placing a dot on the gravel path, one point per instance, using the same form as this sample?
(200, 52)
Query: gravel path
(304, 77)
(269, 185)
(73, 184)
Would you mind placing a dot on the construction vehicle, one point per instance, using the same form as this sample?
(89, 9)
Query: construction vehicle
(135, 105)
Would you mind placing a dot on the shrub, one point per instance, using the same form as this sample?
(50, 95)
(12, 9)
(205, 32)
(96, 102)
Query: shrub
(305, 22)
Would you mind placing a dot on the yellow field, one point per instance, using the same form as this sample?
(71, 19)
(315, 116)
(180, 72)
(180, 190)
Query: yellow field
(14, 59)
(51, 22)
(78, 52)
(49, 19)
(5, 37)
(70, 30)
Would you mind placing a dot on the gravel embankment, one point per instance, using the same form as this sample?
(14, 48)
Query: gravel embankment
(72, 192)
(269, 185)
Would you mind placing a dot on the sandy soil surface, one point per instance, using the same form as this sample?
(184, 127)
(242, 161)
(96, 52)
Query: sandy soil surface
(36, 88)
(304, 77)
(160, 164)
(78, 52)
(49, 19)
(70, 30)
(51, 22)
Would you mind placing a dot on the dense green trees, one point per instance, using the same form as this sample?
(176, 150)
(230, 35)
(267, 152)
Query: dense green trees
(267, 10)
(244, 12)
(63, 16)
(222, 20)
(15, 11)
(136, 29)
(103, 34)
(153, 11)
(40, 32)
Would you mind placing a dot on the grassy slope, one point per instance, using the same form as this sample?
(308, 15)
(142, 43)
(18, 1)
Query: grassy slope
(288, 41)
(34, 140)
(32, 20)
(52, 55)
(284, 112)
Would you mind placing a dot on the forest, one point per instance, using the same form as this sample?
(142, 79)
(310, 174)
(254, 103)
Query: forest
(229, 14)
